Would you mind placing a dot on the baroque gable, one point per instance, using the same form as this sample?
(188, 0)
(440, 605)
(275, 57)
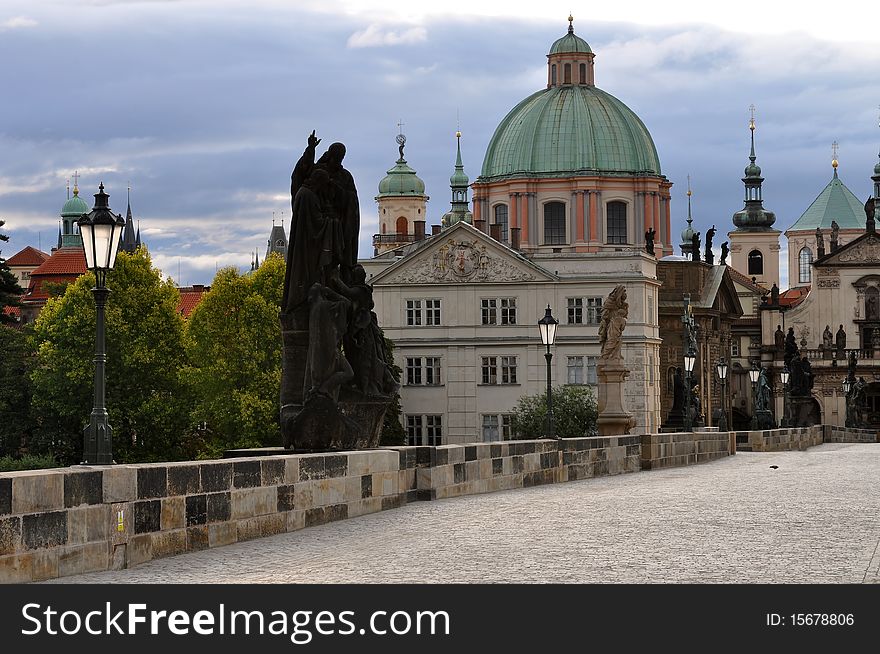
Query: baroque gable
(460, 255)
(863, 251)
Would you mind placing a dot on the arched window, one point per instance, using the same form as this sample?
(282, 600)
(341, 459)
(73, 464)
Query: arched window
(553, 75)
(554, 223)
(872, 303)
(583, 68)
(501, 219)
(756, 263)
(402, 225)
(566, 75)
(616, 212)
(805, 260)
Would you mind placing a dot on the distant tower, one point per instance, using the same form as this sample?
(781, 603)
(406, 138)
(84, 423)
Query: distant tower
(402, 205)
(70, 214)
(129, 242)
(687, 244)
(277, 240)
(459, 185)
(754, 244)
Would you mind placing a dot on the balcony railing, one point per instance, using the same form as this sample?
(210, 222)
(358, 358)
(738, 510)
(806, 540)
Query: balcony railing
(821, 354)
(392, 239)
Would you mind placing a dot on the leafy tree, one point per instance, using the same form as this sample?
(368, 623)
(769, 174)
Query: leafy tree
(146, 398)
(233, 339)
(10, 291)
(392, 429)
(574, 413)
(16, 360)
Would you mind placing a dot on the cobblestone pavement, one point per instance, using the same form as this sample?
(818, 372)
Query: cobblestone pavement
(813, 519)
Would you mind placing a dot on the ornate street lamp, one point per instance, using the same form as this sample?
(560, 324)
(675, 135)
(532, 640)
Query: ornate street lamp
(548, 325)
(100, 230)
(721, 369)
(783, 377)
(689, 360)
(754, 375)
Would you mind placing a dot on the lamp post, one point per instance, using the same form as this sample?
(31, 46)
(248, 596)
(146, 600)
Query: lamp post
(548, 325)
(783, 377)
(721, 369)
(689, 360)
(848, 384)
(754, 374)
(100, 230)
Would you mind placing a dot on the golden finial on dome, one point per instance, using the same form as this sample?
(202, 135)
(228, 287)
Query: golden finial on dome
(834, 147)
(458, 134)
(570, 21)
(75, 182)
(689, 186)
(752, 117)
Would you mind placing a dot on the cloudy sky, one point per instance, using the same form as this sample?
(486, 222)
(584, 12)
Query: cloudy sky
(204, 106)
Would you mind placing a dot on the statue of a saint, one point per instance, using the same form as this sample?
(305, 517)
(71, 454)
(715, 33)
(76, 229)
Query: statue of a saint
(870, 224)
(649, 241)
(820, 244)
(326, 368)
(835, 235)
(695, 246)
(779, 338)
(827, 338)
(709, 256)
(791, 347)
(774, 295)
(614, 314)
(724, 250)
(762, 400)
(841, 340)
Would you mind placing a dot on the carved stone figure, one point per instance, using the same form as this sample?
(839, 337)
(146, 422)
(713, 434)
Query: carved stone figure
(872, 310)
(697, 419)
(762, 399)
(779, 338)
(774, 295)
(827, 338)
(326, 369)
(791, 347)
(614, 315)
(841, 341)
(724, 250)
(835, 235)
(820, 244)
(709, 256)
(870, 224)
(649, 241)
(695, 246)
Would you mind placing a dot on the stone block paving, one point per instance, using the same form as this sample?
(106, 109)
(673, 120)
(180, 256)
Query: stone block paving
(814, 519)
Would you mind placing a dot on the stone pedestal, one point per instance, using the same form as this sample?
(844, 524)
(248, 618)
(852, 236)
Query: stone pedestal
(613, 420)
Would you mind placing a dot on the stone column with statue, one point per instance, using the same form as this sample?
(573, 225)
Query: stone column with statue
(612, 371)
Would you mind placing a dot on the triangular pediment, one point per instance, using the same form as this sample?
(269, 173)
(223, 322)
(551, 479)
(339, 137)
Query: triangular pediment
(461, 255)
(863, 251)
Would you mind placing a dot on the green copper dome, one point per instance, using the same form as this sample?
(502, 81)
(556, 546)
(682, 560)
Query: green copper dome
(569, 43)
(75, 206)
(570, 130)
(835, 202)
(401, 180)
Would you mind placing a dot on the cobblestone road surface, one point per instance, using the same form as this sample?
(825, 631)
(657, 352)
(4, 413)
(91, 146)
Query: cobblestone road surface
(816, 518)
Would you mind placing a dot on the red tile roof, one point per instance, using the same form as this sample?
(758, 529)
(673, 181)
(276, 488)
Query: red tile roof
(190, 296)
(14, 312)
(741, 279)
(65, 261)
(30, 256)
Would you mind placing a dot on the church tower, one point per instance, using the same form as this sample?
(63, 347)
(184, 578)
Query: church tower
(459, 185)
(402, 205)
(754, 244)
(70, 214)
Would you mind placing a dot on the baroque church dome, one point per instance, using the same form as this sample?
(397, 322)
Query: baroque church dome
(571, 127)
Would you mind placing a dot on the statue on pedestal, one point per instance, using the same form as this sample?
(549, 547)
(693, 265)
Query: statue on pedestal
(724, 251)
(779, 339)
(827, 338)
(695, 246)
(841, 341)
(612, 370)
(649, 241)
(709, 256)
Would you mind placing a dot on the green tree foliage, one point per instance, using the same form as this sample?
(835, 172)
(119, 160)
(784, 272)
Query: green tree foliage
(146, 400)
(392, 429)
(574, 412)
(9, 288)
(234, 344)
(16, 360)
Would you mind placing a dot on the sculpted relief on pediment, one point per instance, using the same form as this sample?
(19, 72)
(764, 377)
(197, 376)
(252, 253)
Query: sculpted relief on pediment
(461, 261)
(868, 251)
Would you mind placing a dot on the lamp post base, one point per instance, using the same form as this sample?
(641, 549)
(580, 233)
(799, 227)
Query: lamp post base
(98, 440)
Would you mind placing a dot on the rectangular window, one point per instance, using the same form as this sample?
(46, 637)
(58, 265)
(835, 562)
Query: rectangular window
(575, 370)
(501, 219)
(432, 371)
(508, 370)
(434, 427)
(413, 371)
(734, 347)
(554, 223)
(591, 370)
(413, 430)
(594, 310)
(490, 370)
(575, 311)
(488, 311)
(506, 426)
(508, 310)
(490, 428)
(413, 312)
(432, 312)
(616, 213)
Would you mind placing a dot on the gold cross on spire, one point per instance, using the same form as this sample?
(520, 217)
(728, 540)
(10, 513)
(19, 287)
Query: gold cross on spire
(834, 147)
(752, 117)
(75, 182)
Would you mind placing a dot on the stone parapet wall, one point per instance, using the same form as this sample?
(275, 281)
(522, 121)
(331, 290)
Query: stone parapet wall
(779, 440)
(850, 435)
(683, 448)
(55, 523)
